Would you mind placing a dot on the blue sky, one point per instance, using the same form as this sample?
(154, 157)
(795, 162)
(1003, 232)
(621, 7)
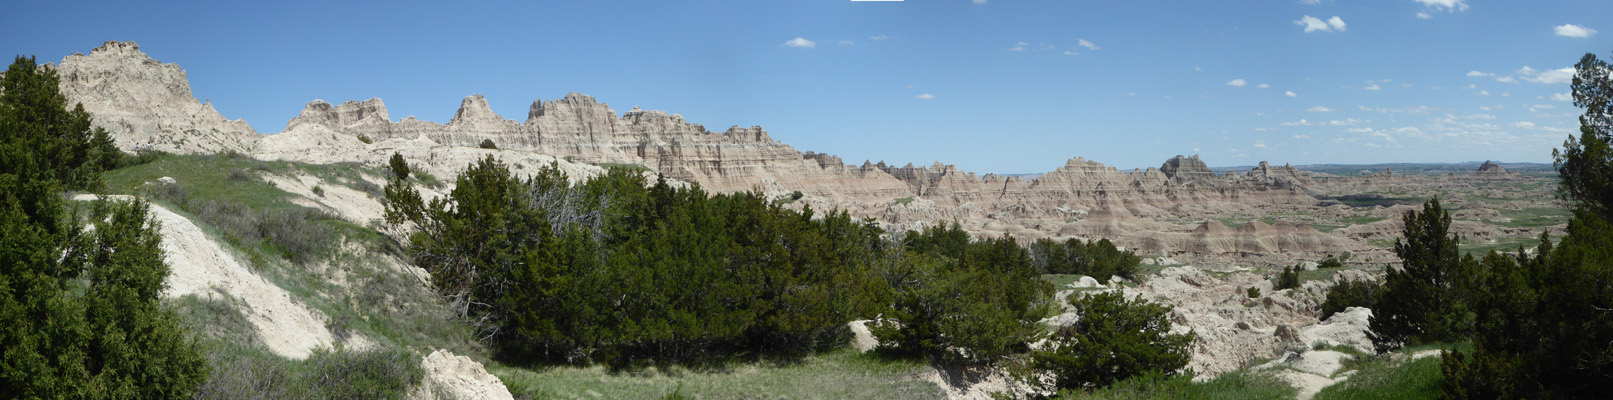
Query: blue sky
(1000, 86)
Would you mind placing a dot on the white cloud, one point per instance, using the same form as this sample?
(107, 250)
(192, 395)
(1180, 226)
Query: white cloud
(1310, 2)
(980, 1)
(1506, 79)
(1019, 46)
(1313, 24)
(847, 43)
(1336, 23)
(1372, 86)
(1302, 136)
(801, 43)
(1523, 124)
(1086, 44)
(1319, 109)
(878, 37)
(1574, 31)
(1562, 97)
(1264, 86)
(1423, 15)
(1476, 73)
(1259, 144)
(1302, 122)
(1448, 5)
(925, 96)
(1554, 77)
(1237, 82)
(1290, 94)
(1484, 93)
(1071, 53)
(1526, 71)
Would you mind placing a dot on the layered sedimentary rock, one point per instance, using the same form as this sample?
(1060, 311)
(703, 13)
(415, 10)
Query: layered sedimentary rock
(147, 104)
(144, 102)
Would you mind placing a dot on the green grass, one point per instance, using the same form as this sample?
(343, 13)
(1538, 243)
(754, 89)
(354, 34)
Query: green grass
(839, 374)
(1381, 378)
(1232, 386)
(904, 200)
(1534, 217)
(1384, 243)
(1479, 249)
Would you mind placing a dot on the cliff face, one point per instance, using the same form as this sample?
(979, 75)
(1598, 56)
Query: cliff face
(142, 101)
(145, 103)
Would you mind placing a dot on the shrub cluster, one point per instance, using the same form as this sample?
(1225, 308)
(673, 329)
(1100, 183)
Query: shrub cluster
(1098, 259)
(619, 271)
(962, 302)
(1114, 339)
(81, 309)
(1351, 293)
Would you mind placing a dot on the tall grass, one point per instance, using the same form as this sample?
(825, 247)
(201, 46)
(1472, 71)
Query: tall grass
(840, 374)
(1238, 385)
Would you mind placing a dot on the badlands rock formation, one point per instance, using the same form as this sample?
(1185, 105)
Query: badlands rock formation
(1490, 168)
(145, 103)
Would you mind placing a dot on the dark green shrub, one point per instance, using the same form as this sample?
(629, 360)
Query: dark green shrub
(602, 270)
(82, 310)
(1333, 262)
(963, 302)
(1254, 292)
(1114, 339)
(487, 144)
(400, 168)
(365, 139)
(1350, 293)
(1288, 279)
(1098, 259)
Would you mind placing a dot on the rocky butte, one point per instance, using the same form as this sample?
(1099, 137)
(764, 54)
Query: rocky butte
(145, 103)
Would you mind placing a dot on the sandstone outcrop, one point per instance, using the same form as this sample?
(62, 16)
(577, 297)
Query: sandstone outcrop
(144, 103)
(1490, 168)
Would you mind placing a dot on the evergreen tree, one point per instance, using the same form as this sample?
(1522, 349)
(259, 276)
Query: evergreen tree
(80, 314)
(1427, 299)
(1114, 339)
(400, 168)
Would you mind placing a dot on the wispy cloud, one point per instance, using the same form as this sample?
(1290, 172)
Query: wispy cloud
(1313, 24)
(879, 37)
(1447, 5)
(1319, 109)
(1263, 86)
(1574, 31)
(801, 43)
(1372, 86)
(1290, 93)
(1562, 97)
(1476, 74)
(925, 96)
(1553, 77)
(847, 43)
(1237, 82)
(1086, 44)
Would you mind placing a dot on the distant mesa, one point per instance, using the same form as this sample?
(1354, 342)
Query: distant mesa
(1490, 168)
